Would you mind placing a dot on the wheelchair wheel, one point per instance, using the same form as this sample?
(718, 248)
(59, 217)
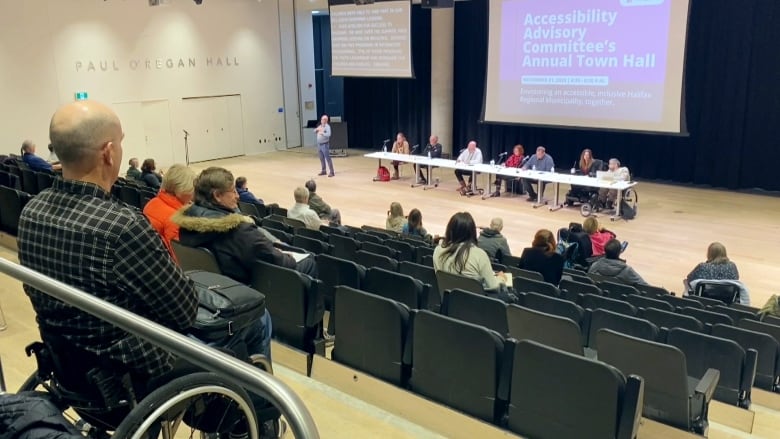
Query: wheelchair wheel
(586, 209)
(631, 198)
(198, 405)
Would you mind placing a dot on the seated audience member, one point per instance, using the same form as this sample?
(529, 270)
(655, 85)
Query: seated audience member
(470, 156)
(149, 175)
(133, 173)
(414, 225)
(244, 194)
(319, 205)
(400, 146)
(718, 267)
(611, 265)
(587, 165)
(113, 254)
(492, 241)
(607, 196)
(542, 257)
(434, 149)
(177, 191)
(597, 234)
(301, 210)
(215, 223)
(541, 161)
(515, 160)
(458, 253)
(395, 218)
(33, 161)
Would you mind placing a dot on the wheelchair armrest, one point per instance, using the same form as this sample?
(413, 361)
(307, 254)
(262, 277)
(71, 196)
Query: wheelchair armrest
(707, 384)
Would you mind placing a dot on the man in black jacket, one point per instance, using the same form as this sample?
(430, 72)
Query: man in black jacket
(237, 242)
(434, 148)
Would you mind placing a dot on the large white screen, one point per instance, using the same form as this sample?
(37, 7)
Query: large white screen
(615, 64)
(371, 40)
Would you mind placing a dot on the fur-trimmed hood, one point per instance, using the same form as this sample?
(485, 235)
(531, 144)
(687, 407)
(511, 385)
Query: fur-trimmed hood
(201, 219)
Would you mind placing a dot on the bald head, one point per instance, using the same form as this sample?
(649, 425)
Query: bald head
(80, 130)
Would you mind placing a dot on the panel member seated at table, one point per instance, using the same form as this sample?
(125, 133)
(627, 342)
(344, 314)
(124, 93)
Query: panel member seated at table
(434, 149)
(615, 172)
(587, 165)
(541, 161)
(514, 161)
(400, 146)
(470, 156)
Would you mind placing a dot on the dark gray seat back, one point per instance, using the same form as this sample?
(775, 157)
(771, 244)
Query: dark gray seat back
(551, 330)
(393, 285)
(525, 285)
(195, 258)
(643, 302)
(476, 309)
(605, 319)
(669, 320)
(768, 365)
(592, 301)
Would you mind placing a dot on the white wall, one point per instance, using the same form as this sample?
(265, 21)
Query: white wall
(308, 86)
(46, 47)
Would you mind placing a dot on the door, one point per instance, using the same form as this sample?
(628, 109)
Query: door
(156, 120)
(217, 127)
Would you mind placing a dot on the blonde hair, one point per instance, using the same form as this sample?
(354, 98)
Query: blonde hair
(716, 253)
(301, 194)
(396, 210)
(179, 180)
(590, 225)
(497, 224)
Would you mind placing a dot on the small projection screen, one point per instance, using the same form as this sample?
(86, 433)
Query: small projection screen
(606, 64)
(371, 40)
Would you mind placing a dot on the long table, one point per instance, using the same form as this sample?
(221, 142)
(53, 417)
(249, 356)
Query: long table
(540, 177)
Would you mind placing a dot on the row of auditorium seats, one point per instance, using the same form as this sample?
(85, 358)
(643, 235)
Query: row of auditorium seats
(133, 192)
(482, 373)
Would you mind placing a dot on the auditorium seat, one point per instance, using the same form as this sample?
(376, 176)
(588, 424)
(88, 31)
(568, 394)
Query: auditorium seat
(310, 244)
(706, 301)
(747, 308)
(294, 223)
(772, 320)
(45, 180)
(477, 309)
(527, 274)
(5, 179)
(452, 281)
(581, 278)
(681, 302)
(525, 285)
(344, 247)
(333, 272)
(368, 259)
(604, 319)
(427, 260)
(666, 320)
(130, 195)
(509, 261)
(195, 258)
(554, 306)
(616, 289)
(671, 396)
(768, 364)
(457, 364)
(538, 409)
(379, 249)
(572, 290)
(426, 275)
(330, 230)
(737, 367)
(12, 202)
(364, 237)
(421, 253)
(708, 318)
(394, 286)
(549, 329)
(372, 334)
(404, 250)
(652, 291)
(276, 210)
(734, 313)
(275, 224)
(29, 182)
(598, 278)
(295, 304)
(764, 327)
(592, 302)
(382, 234)
(313, 234)
(643, 302)
(251, 209)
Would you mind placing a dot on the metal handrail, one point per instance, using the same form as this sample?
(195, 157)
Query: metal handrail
(263, 384)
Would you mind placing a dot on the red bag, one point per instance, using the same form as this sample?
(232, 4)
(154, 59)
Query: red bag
(382, 174)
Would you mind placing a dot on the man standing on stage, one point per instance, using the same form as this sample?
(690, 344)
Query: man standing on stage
(323, 144)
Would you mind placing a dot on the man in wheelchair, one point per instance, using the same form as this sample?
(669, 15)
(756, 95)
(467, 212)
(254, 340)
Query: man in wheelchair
(587, 165)
(77, 233)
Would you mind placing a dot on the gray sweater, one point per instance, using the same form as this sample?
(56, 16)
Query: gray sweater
(492, 241)
(545, 164)
(617, 269)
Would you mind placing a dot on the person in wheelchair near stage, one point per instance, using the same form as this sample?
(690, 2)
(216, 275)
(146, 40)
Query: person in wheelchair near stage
(76, 233)
(615, 172)
(587, 165)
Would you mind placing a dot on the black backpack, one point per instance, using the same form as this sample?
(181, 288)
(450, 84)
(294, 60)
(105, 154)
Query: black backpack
(627, 211)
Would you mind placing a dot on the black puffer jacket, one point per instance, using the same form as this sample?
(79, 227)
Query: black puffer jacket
(234, 239)
(30, 415)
